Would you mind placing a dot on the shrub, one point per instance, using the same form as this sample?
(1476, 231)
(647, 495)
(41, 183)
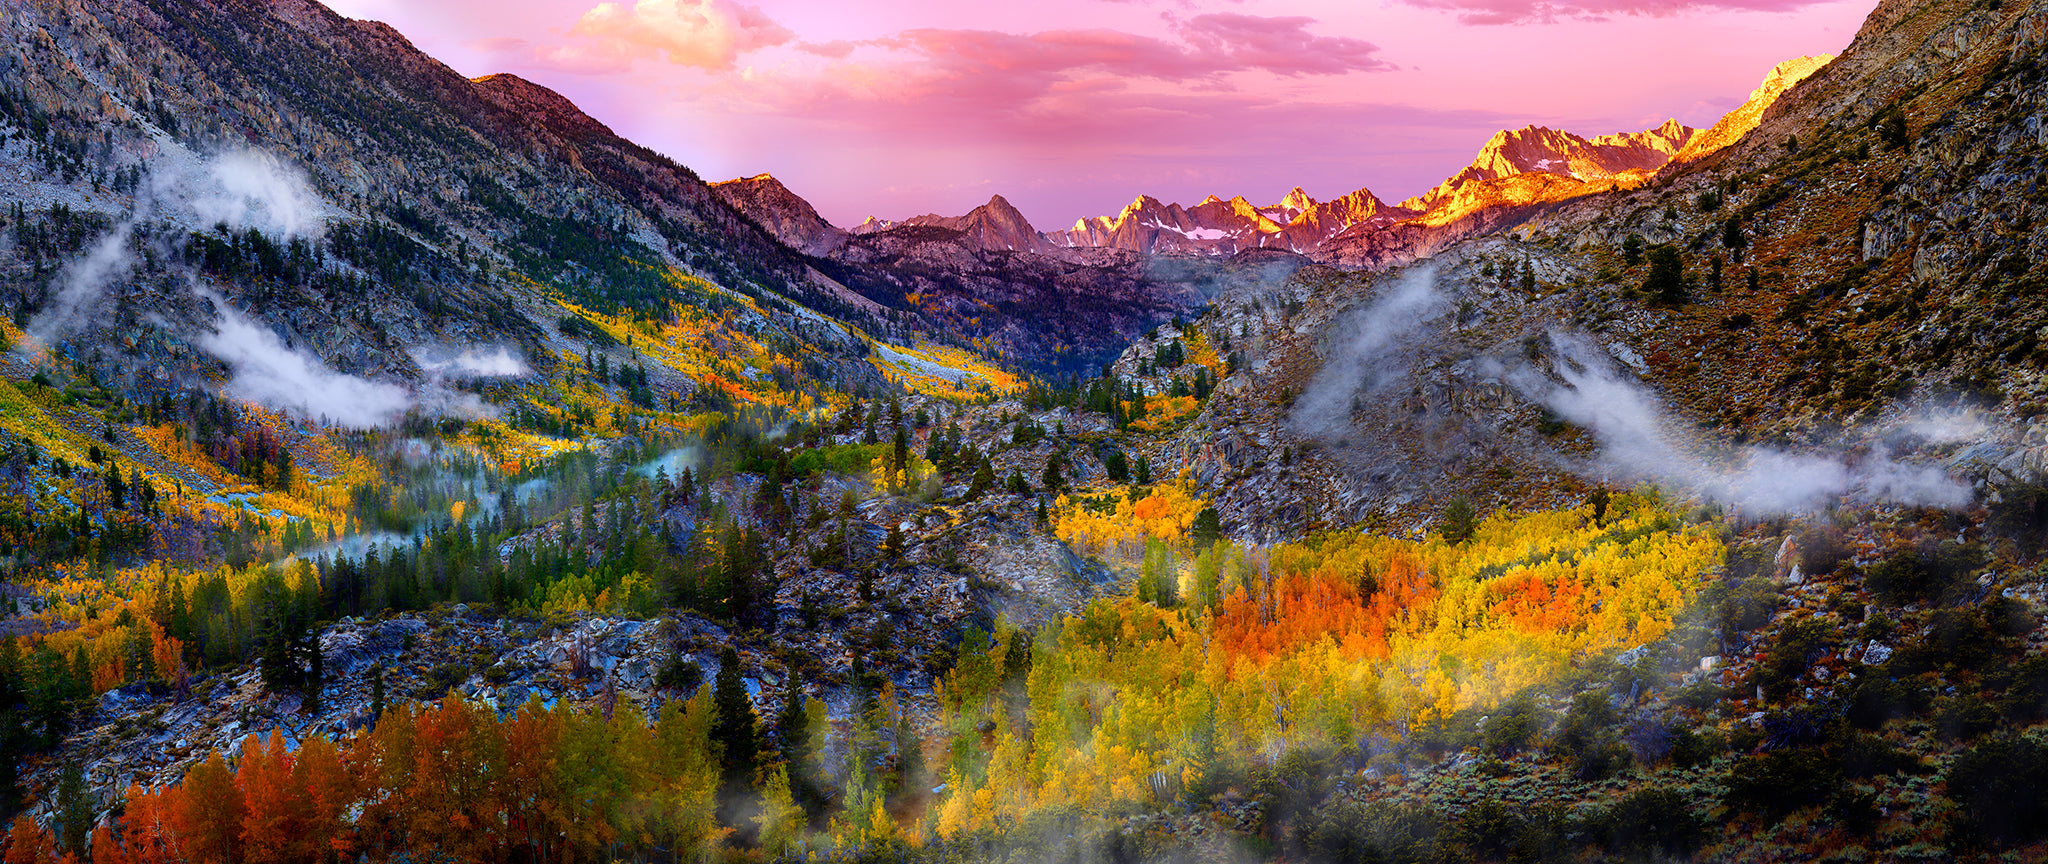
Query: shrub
(1964, 717)
(1797, 647)
(679, 673)
(1822, 548)
(2025, 685)
(1510, 729)
(1494, 831)
(1997, 785)
(1877, 700)
(1379, 831)
(1745, 605)
(1654, 821)
(1861, 754)
(1776, 783)
(1691, 748)
(1927, 573)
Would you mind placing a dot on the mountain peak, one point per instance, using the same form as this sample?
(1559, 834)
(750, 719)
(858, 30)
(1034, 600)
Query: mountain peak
(1737, 123)
(786, 215)
(538, 103)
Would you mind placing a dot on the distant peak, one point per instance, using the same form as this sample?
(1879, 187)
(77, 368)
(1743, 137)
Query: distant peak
(761, 179)
(536, 102)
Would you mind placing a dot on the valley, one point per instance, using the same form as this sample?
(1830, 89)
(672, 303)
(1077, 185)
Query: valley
(395, 466)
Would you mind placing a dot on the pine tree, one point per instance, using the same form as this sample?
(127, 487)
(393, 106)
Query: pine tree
(1207, 528)
(1459, 521)
(117, 491)
(734, 733)
(984, 480)
(1665, 281)
(1052, 481)
(892, 547)
(74, 810)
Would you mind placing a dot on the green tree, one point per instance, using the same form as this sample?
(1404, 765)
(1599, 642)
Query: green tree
(1207, 528)
(734, 731)
(1665, 282)
(1459, 521)
(984, 480)
(74, 809)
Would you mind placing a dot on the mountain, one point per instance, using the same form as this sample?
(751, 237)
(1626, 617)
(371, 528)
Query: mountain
(1218, 227)
(790, 218)
(995, 226)
(1737, 123)
(987, 275)
(1536, 149)
(1515, 170)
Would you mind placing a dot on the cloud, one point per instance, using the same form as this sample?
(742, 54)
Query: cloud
(80, 286)
(1210, 46)
(498, 44)
(1366, 359)
(837, 49)
(241, 189)
(1281, 46)
(249, 189)
(267, 372)
(1546, 12)
(1638, 442)
(495, 362)
(707, 34)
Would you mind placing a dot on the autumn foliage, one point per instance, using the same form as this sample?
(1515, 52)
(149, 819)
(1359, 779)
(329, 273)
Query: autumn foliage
(1325, 643)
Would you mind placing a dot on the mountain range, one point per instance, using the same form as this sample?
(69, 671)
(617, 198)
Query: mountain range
(1515, 172)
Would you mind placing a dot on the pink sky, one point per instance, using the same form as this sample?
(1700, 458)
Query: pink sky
(1071, 108)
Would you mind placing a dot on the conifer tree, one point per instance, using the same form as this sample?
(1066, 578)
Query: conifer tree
(734, 732)
(74, 810)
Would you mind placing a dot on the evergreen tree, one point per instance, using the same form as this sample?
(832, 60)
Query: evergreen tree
(734, 732)
(1665, 281)
(984, 480)
(1117, 466)
(892, 548)
(1459, 521)
(1052, 481)
(74, 810)
(794, 725)
(117, 491)
(1207, 529)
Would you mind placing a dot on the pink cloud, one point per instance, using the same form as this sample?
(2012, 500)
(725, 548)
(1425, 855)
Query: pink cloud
(1547, 11)
(1214, 45)
(1282, 46)
(836, 49)
(708, 34)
